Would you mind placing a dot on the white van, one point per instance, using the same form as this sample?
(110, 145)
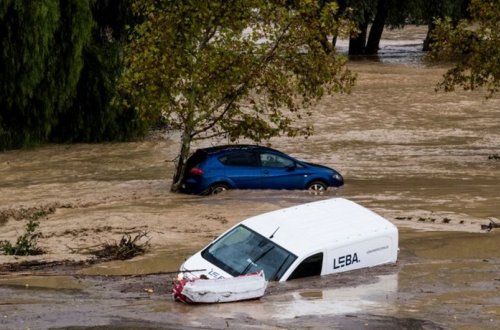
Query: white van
(319, 238)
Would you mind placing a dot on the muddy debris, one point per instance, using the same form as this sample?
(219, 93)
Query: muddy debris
(491, 225)
(127, 248)
(93, 231)
(218, 218)
(430, 219)
(26, 213)
(34, 266)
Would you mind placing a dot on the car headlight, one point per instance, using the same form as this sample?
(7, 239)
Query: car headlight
(338, 177)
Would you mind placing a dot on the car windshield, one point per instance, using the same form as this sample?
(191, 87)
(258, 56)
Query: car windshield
(242, 251)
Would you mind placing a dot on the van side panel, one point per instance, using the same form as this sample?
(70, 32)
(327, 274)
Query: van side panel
(366, 253)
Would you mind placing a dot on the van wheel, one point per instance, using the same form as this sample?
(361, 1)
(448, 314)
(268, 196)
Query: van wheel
(317, 186)
(218, 188)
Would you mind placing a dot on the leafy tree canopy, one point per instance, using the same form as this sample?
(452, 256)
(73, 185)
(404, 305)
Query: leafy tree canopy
(234, 69)
(475, 46)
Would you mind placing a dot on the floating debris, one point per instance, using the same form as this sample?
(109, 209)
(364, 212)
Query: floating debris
(491, 225)
(127, 248)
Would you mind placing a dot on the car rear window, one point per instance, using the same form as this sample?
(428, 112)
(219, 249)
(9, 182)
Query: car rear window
(240, 158)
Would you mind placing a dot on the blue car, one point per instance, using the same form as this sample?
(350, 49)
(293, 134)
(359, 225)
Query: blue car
(216, 169)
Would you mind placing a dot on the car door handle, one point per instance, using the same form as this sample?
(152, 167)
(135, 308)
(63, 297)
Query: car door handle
(265, 172)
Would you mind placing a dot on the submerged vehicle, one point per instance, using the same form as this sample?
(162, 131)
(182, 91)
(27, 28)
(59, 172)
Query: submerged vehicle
(216, 169)
(318, 238)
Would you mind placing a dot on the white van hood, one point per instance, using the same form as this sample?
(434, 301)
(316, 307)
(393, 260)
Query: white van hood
(196, 265)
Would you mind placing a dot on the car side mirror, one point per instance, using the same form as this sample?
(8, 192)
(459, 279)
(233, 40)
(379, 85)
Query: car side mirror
(291, 167)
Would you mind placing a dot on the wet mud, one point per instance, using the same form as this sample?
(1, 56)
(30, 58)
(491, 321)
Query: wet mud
(421, 159)
(443, 280)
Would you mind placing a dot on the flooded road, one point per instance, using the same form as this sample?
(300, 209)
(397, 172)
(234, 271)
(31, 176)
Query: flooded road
(443, 280)
(418, 158)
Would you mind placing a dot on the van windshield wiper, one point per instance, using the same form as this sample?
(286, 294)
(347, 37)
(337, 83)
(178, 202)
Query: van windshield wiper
(254, 263)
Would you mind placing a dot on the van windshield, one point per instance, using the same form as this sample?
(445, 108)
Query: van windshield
(242, 251)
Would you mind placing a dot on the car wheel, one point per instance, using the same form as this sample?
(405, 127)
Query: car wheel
(317, 186)
(218, 188)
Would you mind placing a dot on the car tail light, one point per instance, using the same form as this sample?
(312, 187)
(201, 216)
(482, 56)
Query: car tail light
(196, 171)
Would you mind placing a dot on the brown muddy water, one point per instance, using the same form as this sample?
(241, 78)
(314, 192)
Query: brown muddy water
(419, 158)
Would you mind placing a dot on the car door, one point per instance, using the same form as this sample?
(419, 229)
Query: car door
(242, 169)
(280, 172)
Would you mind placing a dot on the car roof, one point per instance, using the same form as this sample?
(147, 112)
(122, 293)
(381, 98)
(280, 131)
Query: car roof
(311, 227)
(230, 147)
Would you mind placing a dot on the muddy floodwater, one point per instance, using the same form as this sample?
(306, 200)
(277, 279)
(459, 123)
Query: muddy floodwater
(426, 161)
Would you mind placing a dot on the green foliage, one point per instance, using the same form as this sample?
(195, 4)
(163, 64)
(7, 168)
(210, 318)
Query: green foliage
(425, 11)
(59, 61)
(93, 116)
(26, 244)
(233, 69)
(40, 65)
(27, 30)
(474, 45)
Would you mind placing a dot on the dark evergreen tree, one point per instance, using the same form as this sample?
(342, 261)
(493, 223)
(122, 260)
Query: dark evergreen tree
(59, 61)
(27, 36)
(93, 116)
(64, 67)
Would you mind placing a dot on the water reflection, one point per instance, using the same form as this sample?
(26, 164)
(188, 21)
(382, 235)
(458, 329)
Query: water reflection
(373, 298)
(42, 282)
(159, 261)
(378, 297)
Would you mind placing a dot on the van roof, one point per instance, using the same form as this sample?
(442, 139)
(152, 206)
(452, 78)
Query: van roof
(311, 227)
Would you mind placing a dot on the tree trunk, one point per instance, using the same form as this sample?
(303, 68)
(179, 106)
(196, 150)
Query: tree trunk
(428, 39)
(327, 47)
(340, 12)
(372, 45)
(181, 162)
(357, 44)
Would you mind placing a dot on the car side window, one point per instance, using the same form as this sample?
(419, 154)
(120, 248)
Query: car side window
(272, 160)
(311, 266)
(240, 158)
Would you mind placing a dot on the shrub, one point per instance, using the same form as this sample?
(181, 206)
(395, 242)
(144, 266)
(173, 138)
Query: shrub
(26, 244)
